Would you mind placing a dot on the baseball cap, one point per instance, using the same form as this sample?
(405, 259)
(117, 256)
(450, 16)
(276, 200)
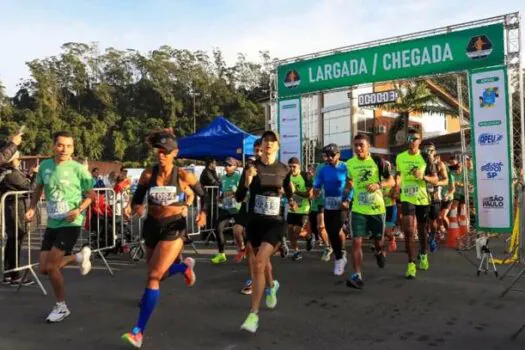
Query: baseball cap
(294, 160)
(331, 148)
(164, 140)
(230, 161)
(271, 133)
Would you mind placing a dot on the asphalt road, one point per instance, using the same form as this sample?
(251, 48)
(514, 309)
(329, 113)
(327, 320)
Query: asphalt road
(447, 307)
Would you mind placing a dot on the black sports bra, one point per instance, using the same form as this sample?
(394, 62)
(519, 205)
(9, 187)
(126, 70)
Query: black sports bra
(169, 195)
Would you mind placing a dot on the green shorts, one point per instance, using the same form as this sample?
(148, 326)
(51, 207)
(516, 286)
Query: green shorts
(366, 225)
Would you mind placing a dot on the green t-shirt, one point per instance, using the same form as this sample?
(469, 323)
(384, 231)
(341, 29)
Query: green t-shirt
(445, 189)
(413, 190)
(64, 187)
(319, 200)
(302, 183)
(229, 183)
(364, 173)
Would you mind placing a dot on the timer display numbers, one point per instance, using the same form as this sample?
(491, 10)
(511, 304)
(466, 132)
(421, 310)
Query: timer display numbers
(377, 98)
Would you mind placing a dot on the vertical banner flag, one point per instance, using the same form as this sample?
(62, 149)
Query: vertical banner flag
(290, 129)
(489, 120)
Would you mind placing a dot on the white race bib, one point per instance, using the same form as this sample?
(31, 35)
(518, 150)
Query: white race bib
(410, 191)
(366, 198)
(332, 203)
(229, 203)
(57, 209)
(267, 205)
(164, 195)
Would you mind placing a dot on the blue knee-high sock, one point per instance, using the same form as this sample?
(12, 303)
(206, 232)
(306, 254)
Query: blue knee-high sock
(176, 268)
(149, 301)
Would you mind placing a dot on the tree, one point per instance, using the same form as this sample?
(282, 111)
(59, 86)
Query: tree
(414, 97)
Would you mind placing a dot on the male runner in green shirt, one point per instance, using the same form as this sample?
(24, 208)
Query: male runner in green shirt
(367, 175)
(414, 171)
(68, 189)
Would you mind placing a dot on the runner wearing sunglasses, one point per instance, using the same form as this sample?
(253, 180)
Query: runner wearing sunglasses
(414, 171)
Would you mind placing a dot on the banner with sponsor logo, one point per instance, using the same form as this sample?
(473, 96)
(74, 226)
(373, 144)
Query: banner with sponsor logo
(290, 129)
(451, 52)
(492, 149)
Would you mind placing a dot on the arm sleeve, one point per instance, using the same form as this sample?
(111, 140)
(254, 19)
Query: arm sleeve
(287, 188)
(308, 181)
(199, 191)
(240, 194)
(318, 180)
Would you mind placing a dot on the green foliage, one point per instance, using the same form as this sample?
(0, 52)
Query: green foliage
(111, 100)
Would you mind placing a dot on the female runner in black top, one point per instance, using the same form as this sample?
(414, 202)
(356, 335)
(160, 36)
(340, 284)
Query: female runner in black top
(170, 190)
(266, 179)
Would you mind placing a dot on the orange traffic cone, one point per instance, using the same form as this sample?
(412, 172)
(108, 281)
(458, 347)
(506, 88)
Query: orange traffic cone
(453, 229)
(463, 222)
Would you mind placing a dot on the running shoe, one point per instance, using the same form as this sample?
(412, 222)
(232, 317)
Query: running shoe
(432, 244)
(247, 289)
(355, 281)
(59, 313)
(251, 323)
(392, 246)
(283, 249)
(297, 256)
(411, 271)
(380, 259)
(271, 295)
(327, 253)
(423, 262)
(240, 256)
(6, 280)
(85, 262)
(219, 259)
(339, 267)
(310, 243)
(26, 282)
(189, 275)
(134, 338)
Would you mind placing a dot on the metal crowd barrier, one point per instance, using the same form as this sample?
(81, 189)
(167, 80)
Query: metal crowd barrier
(18, 242)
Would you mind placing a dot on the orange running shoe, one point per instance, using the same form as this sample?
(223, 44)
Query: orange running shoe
(189, 276)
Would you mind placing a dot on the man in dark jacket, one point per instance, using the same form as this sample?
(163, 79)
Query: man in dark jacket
(209, 177)
(13, 179)
(7, 150)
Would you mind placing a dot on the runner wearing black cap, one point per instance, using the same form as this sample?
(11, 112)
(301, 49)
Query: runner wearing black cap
(244, 215)
(298, 218)
(228, 211)
(266, 178)
(333, 178)
(170, 191)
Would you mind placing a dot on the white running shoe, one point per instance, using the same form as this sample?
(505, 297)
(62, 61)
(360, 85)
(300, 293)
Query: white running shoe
(339, 267)
(59, 313)
(85, 262)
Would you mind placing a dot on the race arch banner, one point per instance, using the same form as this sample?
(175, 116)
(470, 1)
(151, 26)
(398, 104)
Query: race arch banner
(490, 125)
(290, 130)
(445, 53)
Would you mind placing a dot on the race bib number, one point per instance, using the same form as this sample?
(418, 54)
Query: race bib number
(267, 205)
(366, 198)
(57, 209)
(410, 191)
(332, 203)
(164, 195)
(229, 203)
(298, 200)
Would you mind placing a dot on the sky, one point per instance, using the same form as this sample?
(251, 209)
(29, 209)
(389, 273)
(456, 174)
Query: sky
(33, 29)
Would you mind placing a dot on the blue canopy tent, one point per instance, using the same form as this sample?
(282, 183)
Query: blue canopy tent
(219, 140)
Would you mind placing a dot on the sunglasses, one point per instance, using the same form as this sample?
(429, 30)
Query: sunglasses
(412, 138)
(330, 154)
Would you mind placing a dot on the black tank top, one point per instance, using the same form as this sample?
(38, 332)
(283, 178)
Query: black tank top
(169, 195)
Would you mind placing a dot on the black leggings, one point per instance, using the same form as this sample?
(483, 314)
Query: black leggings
(334, 220)
(312, 217)
(225, 219)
